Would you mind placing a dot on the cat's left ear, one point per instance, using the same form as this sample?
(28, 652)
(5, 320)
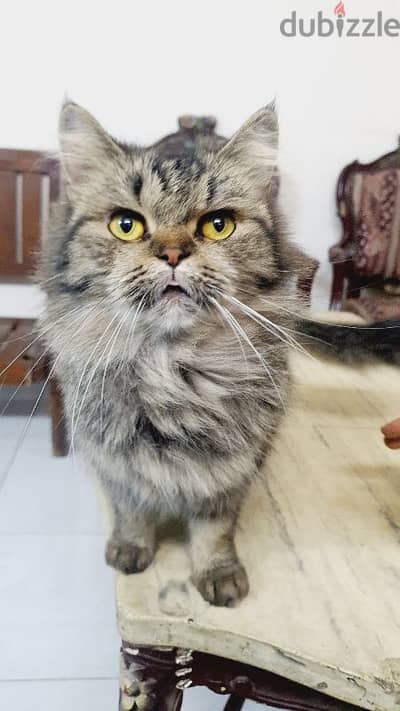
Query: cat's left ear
(84, 146)
(253, 149)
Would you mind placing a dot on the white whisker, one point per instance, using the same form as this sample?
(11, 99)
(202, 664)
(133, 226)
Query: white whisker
(273, 328)
(115, 336)
(253, 348)
(73, 425)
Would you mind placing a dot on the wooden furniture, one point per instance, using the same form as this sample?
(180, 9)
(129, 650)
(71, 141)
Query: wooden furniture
(320, 628)
(368, 254)
(28, 183)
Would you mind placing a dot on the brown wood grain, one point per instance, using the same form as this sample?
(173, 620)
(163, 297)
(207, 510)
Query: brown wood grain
(31, 219)
(30, 166)
(7, 220)
(17, 357)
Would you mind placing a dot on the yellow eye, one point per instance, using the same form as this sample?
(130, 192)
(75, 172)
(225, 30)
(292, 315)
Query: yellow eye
(217, 225)
(126, 225)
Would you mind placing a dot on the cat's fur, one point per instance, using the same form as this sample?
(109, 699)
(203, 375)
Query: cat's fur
(355, 344)
(172, 410)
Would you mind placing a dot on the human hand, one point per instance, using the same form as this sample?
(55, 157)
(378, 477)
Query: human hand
(391, 433)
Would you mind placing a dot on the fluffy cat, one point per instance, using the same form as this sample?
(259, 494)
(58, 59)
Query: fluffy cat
(169, 284)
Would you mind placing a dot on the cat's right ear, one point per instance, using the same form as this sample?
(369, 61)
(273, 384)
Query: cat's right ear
(84, 146)
(252, 152)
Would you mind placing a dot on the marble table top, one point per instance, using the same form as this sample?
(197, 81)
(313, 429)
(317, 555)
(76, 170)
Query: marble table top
(320, 537)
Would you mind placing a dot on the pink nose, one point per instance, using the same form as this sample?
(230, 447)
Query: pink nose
(172, 255)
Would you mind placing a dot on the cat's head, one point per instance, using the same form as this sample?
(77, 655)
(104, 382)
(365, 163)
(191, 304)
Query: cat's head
(167, 236)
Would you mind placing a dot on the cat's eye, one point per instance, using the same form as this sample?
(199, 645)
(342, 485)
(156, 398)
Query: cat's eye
(217, 225)
(127, 225)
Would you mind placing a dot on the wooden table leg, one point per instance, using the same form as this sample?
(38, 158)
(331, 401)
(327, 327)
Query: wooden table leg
(154, 678)
(149, 680)
(234, 703)
(58, 425)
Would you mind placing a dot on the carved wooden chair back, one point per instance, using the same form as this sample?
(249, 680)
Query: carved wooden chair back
(368, 203)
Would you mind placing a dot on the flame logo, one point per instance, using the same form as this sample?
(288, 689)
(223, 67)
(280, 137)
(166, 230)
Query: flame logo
(340, 9)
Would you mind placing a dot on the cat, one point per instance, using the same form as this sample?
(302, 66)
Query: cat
(169, 286)
(355, 344)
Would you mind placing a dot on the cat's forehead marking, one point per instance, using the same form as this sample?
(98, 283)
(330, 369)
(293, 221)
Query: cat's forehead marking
(137, 186)
(170, 188)
(176, 173)
(211, 189)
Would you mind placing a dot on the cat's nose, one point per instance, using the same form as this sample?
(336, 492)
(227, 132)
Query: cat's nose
(172, 244)
(173, 255)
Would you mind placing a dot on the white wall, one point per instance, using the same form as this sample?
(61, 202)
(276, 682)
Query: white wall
(138, 64)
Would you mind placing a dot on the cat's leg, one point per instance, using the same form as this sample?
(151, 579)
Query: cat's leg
(217, 571)
(131, 546)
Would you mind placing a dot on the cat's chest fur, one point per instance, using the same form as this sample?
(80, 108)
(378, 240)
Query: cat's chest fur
(195, 399)
(189, 421)
(169, 399)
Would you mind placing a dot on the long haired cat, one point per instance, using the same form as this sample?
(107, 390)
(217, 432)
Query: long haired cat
(168, 283)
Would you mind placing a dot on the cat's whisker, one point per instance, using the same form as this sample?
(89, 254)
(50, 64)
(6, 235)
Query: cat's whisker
(86, 316)
(41, 331)
(237, 336)
(284, 336)
(273, 328)
(83, 373)
(109, 346)
(251, 345)
(73, 423)
(271, 304)
(46, 281)
(131, 332)
(32, 343)
(22, 383)
(22, 435)
(115, 336)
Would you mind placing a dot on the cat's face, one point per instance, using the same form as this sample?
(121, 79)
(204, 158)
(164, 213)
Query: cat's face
(167, 236)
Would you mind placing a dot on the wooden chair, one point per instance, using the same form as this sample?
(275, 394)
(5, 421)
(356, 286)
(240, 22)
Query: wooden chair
(319, 536)
(28, 183)
(368, 254)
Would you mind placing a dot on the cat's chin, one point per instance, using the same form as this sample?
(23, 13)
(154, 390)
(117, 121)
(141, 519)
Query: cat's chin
(174, 314)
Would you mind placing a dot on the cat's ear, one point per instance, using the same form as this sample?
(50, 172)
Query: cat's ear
(84, 145)
(253, 149)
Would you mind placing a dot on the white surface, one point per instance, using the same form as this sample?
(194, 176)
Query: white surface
(59, 648)
(319, 538)
(20, 301)
(138, 65)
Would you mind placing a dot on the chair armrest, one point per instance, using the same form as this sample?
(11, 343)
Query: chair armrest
(341, 253)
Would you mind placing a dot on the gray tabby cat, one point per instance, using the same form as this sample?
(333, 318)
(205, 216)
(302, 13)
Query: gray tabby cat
(168, 283)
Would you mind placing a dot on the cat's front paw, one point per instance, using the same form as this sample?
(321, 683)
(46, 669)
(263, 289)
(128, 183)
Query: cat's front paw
(127, 557)
(223, 586)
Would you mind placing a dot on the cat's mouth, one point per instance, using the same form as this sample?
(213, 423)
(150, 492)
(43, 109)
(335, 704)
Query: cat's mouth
(174, 290)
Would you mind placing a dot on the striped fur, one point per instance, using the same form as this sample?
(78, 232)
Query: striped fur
(173, 403)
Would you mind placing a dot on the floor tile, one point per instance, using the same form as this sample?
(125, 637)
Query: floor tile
(93, 695)
(56, 608)
(72, 695)
(10, 427)
(201, 699)
(46, 494)
(21, 400)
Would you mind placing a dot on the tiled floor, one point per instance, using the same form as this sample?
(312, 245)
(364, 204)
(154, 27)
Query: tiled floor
(58, 638)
